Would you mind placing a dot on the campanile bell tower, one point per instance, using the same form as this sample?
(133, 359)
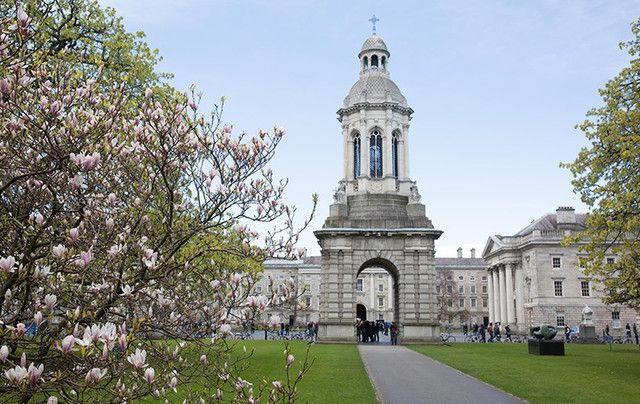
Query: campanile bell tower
(377, 218)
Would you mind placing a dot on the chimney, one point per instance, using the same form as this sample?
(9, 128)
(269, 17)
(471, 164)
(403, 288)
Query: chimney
(473, 253)
(565, 217)
(459, 252)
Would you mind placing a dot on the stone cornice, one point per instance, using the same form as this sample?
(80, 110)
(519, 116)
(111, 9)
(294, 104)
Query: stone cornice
(374, 105)
(377, 232)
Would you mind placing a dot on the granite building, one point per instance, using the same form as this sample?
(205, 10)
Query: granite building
(534, 279)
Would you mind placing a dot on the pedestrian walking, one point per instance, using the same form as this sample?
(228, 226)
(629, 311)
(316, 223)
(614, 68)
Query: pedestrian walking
(496, 332)
(628, 328)
(567, 333)
(490, 332)
(507, 332)
(483, 333)
(635, 332)
(393, 330)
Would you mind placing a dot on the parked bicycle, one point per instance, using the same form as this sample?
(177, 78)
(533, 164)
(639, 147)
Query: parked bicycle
(446, 338)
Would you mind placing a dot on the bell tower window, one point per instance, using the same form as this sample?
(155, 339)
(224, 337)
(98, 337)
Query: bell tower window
(356, 156)
(374, 61)
(365, 63)
(383, 62)
(375, 154)
(394, 153)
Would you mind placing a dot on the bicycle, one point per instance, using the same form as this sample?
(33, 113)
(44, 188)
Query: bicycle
(446, 338)
(472, 338)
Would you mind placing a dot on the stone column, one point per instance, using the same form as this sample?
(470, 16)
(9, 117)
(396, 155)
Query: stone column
(519, 286)
(372, 291)
(511, 316)
(496, 295)
(405, 151)
(490, 291)
(347, 152)
(503, 294)
(387, 166)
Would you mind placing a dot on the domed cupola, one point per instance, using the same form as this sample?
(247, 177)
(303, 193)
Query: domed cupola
(374, 85)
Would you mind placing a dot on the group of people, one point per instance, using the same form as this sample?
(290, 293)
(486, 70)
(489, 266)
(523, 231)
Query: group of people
(312, 331)
(369, 331)
(493, 331)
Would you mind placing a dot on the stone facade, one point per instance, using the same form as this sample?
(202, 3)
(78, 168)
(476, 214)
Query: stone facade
(534, 279)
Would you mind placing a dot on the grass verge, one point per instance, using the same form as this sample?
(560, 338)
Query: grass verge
(587, 373)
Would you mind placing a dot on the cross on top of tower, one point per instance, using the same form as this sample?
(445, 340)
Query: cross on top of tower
(373, 21)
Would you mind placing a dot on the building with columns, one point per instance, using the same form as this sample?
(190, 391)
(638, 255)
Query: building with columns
(534, 279)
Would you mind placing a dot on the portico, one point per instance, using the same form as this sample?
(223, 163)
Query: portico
(505, 294)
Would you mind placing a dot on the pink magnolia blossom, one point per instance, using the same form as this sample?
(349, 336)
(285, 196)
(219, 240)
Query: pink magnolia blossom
(173, 383)
(290, 359)
(52, 400)
(16, 374)
(37, 318)
(50, 301)
(85, 258)
(20, 329)
(127, 291)
(59, 251)
(109, 224)
(74, 234)
(94, 376)
(67, 344)
(7, 263)
(277, 385)
(138, 358)
(4, 353)
(225, 330)
(149, 375)
(35, 373)
(5, 86)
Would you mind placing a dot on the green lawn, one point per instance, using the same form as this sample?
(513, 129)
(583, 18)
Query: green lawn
(586, 374)
(336, 376)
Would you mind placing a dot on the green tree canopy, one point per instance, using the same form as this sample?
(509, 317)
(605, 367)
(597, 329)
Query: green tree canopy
(607, 177)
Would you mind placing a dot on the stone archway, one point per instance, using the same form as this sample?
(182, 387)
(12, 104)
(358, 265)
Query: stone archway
(389, 292)
(408, 254)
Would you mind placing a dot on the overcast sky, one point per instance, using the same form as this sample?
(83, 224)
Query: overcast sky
(497, 88)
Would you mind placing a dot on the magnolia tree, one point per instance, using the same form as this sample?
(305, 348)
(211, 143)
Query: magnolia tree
(125, 257)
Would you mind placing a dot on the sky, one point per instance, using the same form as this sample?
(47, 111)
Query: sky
(497, 88)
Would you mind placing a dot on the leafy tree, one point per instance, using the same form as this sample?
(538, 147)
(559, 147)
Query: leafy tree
(124, 226)
(607, 177)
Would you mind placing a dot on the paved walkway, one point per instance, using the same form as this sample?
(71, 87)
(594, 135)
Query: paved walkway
(401, 375)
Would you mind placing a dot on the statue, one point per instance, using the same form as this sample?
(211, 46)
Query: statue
(340, 195)
(587, 313)
(544, 332)
(414, 195)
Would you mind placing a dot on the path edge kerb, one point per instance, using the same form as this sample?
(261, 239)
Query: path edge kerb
(379, 395)
(470, 376)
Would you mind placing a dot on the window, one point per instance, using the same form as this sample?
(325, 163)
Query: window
(557, 288)
(307, 318)
(366, 63)
(484, 278)
(472, 278)
(356, 155)
(484, 303)
(584, 287)
(484, 288)
(375, 154)
(473, 288)
(461, 289)
(258, 289)
(380, 316)
(380, 287)
(615, 319)
(460, 278)
(380, 276)
(611, 260)
(449, 289)
(437, 288)
(374, 62)
(556, 263)
(394, 153)
(381, 302)
(450, 303)
(359, 284)
(559, 320)
(307, 301)
(473, 302)
(461, 303)
(448, 277)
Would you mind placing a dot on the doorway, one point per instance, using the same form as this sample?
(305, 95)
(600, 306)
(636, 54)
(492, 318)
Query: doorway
(361, 312)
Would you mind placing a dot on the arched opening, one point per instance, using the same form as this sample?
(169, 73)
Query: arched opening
(356, 155)
(375, 154)
(361, 312)
(394, 153)
(365, 63)
(383, 62)
(374, 61)
(377, 293)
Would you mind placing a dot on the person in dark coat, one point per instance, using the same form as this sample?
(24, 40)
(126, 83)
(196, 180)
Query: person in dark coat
(393, 330)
